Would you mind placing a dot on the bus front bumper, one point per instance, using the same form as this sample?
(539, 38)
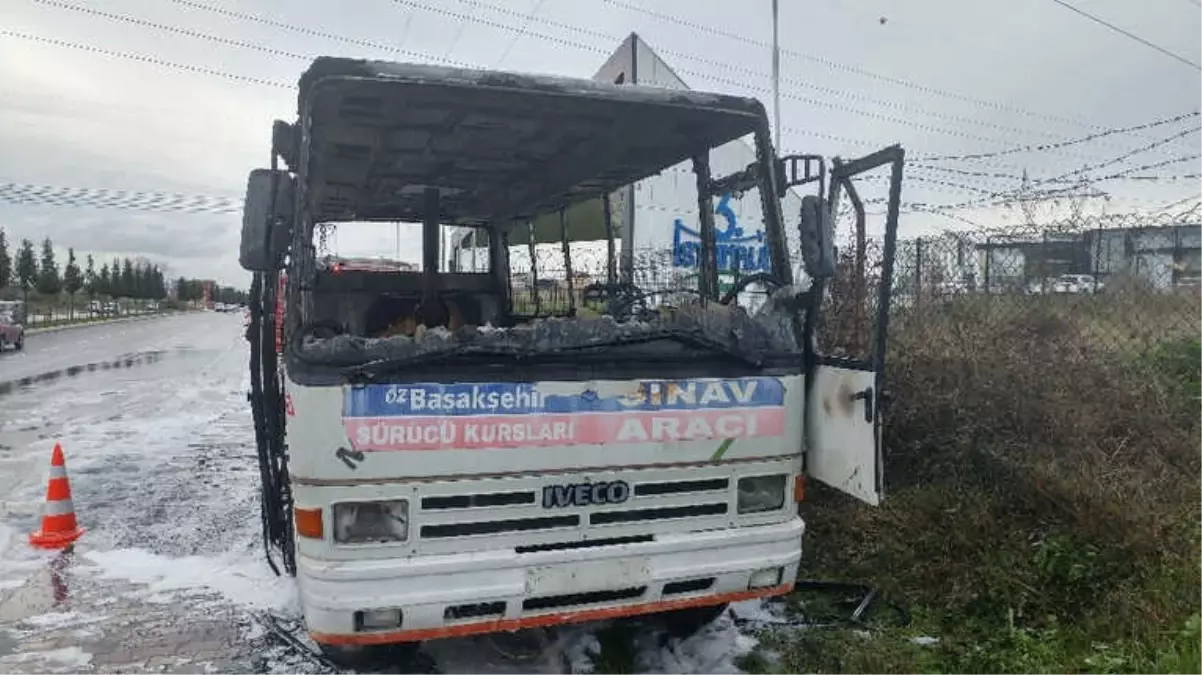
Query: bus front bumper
(440, 596)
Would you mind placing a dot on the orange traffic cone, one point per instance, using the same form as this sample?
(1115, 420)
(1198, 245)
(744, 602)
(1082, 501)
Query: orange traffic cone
(59, 529)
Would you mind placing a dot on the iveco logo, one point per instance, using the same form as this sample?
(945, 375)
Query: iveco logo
(584, 494)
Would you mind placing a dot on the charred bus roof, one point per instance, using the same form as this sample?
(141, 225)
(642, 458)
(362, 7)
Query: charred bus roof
(500, 147)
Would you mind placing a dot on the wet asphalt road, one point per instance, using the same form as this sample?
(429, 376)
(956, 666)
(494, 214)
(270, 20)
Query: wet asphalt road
(60, 349)
(153, 418)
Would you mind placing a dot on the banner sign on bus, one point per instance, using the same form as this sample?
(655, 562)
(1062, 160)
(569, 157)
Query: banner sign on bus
(519, 414)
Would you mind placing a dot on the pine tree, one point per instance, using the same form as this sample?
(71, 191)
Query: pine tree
(128, 284)
(49, 282)
(104, 283)
(116, 288)
(72, 279)
(89, 278)
(27, 266)
(6, 262)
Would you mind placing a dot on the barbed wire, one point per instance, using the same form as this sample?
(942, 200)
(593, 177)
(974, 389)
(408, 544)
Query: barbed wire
(1007, 198)
(1125, 156)
(969, 175)
(1042, 147)
(127, 200)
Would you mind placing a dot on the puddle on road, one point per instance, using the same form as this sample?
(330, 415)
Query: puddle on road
(122, 362)
(38, 595)
(8, 643)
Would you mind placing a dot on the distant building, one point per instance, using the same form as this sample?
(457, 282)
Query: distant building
(1166, 257)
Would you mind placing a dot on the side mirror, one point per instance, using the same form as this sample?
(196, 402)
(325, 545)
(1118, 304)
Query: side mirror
(817, 238)
(267, 220)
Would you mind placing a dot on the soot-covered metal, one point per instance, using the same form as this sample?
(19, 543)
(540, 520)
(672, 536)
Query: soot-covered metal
(499, 147)
(701, 327)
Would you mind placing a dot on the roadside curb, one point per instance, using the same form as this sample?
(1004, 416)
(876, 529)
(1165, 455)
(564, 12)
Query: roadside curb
(84, 324)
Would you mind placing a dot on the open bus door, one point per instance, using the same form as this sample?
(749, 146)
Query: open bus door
(843, 414)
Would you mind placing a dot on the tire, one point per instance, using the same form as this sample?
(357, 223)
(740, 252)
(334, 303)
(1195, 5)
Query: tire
(685, 623)
(20, 343)
(392, 658)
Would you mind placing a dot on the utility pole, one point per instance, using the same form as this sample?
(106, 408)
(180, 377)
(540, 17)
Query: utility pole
(776, 72)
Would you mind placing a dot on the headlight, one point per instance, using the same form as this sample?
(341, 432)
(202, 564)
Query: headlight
(368, 522)
(761, 493)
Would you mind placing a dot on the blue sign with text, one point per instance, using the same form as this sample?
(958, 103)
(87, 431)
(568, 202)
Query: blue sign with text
(749, 253)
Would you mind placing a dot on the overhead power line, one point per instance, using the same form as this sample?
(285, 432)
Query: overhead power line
(301, 30)
(902, 121)
(526, 18)
(248, 45)
(153, 60)
(409, 53)
(842, 67)
(518, 36)
(292, 55)
(127, 200)
(1127, 33)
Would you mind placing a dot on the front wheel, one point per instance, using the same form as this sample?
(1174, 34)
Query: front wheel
(20, 343)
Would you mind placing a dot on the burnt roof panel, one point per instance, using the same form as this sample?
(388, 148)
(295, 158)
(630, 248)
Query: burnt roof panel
(506, 146)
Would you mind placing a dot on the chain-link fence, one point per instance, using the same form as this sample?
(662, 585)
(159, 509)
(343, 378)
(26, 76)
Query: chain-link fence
(1128, 282)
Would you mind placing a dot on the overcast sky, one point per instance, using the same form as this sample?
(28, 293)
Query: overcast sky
(938, 76)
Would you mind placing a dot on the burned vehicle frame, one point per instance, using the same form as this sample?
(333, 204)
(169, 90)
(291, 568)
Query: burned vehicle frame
(536, 147)
(493, 152)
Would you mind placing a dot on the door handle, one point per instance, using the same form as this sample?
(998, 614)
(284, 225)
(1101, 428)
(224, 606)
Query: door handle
(866, 394)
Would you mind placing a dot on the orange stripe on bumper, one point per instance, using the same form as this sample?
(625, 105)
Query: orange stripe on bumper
(508, 625)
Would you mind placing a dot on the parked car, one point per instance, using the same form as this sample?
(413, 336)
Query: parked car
(12, 332)
(1076, 283)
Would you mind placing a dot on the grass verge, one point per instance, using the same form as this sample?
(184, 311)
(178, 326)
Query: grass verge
(1043, 513)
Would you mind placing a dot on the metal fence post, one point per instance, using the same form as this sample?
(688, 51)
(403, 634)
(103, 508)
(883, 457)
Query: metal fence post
(1097, 258)
(988, 255)
(1043, 266)
(1177, 256)
(918, 270)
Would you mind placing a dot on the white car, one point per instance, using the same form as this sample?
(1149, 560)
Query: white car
(1076, 283)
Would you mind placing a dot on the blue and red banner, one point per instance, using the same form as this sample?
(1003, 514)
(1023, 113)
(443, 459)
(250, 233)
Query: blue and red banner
(518, 414)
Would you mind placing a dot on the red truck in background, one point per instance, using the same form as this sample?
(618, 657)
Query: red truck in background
(12, 328)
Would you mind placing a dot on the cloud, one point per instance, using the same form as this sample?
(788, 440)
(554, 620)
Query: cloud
(943, 77)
